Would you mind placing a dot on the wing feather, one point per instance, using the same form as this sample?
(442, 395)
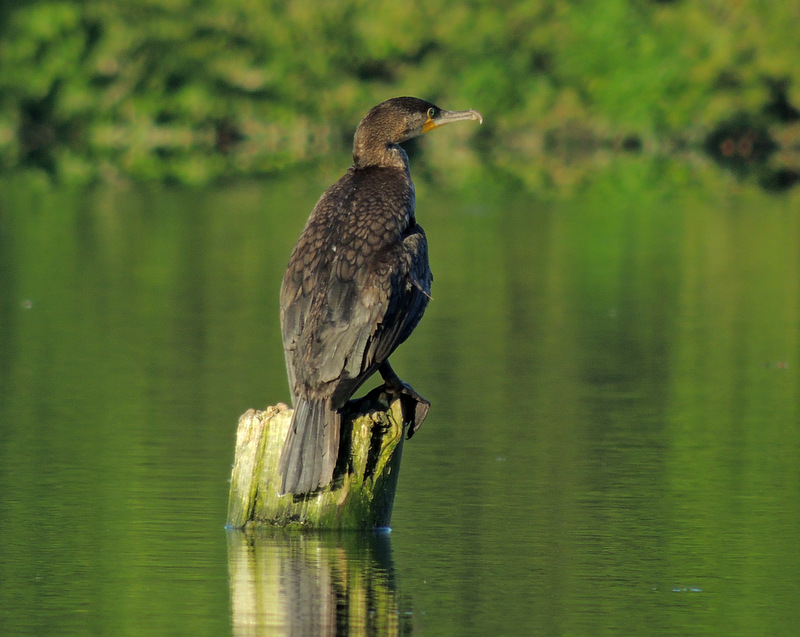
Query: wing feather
(346, 307)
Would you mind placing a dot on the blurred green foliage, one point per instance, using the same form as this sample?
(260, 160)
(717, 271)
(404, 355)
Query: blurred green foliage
(196, 90)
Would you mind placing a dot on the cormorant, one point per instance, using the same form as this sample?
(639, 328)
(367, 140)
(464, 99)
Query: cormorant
(357, 284)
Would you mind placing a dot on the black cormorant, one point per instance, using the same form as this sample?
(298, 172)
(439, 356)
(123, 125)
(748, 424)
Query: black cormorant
(357, 284)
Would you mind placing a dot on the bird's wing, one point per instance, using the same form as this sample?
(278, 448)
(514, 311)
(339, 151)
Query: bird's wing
(346, 306)
(376, 311)
(329, 308)
(407, 294)
(345, 329)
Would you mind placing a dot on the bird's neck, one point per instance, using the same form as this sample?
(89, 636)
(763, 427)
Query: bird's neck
(369, 151)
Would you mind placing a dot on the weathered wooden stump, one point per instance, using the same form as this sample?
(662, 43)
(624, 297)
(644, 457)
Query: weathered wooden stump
(362, 492)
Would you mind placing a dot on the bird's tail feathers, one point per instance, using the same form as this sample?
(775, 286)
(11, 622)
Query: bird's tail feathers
(311, 448)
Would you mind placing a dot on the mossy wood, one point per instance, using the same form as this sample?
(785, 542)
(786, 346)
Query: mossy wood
(362, 492)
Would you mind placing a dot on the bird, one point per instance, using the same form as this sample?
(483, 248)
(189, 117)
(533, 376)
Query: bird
(357, 284)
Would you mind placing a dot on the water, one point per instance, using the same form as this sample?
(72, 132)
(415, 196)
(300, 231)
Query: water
(612, 447)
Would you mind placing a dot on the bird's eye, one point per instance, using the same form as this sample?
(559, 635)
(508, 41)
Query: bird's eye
(431, 112)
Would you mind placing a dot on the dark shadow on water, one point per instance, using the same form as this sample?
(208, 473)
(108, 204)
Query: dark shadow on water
(314, 584)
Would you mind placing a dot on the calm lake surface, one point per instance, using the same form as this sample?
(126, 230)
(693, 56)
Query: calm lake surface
(613, 447)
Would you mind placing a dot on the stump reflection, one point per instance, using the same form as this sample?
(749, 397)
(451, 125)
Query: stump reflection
(314, 584)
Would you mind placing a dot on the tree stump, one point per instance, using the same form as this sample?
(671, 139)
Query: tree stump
(362, 492)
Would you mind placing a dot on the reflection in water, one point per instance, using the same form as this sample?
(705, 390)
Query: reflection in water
(644, 331)
(313, 584)
(744, 145)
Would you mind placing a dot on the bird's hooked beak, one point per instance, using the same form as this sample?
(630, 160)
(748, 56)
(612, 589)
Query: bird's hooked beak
(437, 118)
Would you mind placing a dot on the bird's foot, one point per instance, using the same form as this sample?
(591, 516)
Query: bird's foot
(415, 407)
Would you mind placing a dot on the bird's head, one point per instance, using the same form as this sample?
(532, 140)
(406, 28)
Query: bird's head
(397, 120)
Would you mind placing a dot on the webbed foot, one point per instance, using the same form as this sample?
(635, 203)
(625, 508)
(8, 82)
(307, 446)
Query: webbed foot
(415, 407)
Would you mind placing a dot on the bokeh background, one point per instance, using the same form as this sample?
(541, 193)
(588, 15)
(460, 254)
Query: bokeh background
(192, 91)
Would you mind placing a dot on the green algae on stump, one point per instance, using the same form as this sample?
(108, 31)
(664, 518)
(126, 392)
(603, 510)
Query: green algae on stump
(362, 492)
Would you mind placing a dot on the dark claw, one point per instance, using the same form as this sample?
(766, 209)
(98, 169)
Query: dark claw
(420, 413)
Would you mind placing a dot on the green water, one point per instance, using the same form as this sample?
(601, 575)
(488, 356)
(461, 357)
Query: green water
(612, 449)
